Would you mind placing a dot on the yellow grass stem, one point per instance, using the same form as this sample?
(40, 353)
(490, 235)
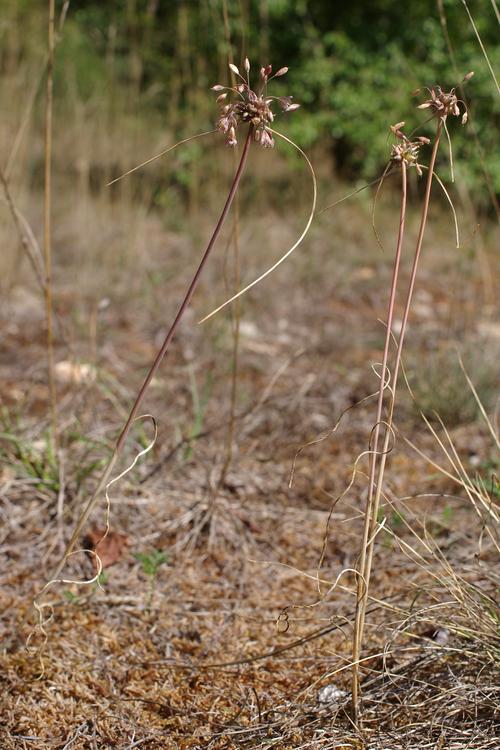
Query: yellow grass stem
(47, 222)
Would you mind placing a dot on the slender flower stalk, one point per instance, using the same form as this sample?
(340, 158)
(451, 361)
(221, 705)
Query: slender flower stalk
(384, 383)
(404, 153)
(104, 480)
(367, 558)
(362, 588)
(239, 115)
(442, 104)
(235, 313)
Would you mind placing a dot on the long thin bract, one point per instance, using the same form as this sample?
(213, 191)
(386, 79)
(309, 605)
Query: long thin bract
(294, 246)
(157, 156)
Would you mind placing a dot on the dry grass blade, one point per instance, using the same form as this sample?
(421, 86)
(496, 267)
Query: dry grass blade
(32, 95)
(483, 50)
(26, 236)
(47, 244)
(493, 432)
(496, 11)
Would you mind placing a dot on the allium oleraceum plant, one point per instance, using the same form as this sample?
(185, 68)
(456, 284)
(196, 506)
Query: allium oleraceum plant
(445, 103)
(404, 154)
(252, 109)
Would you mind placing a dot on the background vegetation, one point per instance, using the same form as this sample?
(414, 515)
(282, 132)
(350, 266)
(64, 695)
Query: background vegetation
(148, 64)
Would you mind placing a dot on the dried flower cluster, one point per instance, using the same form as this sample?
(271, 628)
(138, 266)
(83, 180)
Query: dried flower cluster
(407, 151)
(250, 107)
(445, 103)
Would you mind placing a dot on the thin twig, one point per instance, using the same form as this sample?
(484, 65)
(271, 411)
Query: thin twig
(25, 238)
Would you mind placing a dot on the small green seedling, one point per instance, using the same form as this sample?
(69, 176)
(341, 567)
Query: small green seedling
(101, 579)
(447, 515)
(70, 597)
(150, 564)
(199, 406)
(32, 458)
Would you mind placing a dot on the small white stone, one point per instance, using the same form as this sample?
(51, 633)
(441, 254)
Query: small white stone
(331, 694)
(249, 329)
(74, 372)
(441, 636)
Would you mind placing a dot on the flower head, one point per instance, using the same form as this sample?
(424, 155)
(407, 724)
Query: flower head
(249, 106)
(444, 103)
(407, 151)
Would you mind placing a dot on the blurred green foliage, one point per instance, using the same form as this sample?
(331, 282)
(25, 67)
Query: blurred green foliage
(353, 66)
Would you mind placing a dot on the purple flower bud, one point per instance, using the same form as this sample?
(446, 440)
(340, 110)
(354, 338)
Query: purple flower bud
(266, 139)
(223, 124)
(231, 139)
